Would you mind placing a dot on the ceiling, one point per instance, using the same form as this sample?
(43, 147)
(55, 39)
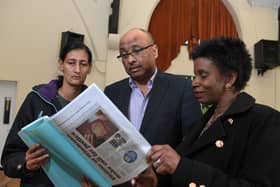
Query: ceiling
(265, 3)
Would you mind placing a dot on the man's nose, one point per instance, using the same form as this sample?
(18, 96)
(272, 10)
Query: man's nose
(131, 58)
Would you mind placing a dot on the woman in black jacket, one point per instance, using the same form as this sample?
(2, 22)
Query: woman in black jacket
(46, 99)
(237, 141)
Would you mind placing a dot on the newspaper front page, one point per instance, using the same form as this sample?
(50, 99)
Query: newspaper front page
(104, 135)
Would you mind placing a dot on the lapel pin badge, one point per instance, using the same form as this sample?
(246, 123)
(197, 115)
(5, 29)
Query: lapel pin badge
(230, 120)
(219, 143)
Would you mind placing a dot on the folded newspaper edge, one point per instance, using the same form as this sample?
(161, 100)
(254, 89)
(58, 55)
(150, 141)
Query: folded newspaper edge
(89, 137)
(66, 165)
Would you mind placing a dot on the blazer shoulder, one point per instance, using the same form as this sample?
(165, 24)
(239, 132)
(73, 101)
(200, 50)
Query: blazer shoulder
(174, 77)
(117, 84)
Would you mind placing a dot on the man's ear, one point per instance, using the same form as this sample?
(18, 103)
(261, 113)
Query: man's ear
(155, 51)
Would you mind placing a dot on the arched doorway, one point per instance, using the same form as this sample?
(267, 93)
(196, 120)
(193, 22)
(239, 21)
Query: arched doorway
(174, 22)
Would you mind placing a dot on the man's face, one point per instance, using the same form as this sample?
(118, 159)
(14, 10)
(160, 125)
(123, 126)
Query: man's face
(138, 55)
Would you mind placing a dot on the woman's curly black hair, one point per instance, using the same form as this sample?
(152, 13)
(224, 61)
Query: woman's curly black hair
(229, 55)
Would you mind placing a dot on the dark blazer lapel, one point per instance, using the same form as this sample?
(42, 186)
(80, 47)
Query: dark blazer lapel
(195, 131)
(125, 98)
(155, 98)
(190, 138)
(215, 132)
(192, 135)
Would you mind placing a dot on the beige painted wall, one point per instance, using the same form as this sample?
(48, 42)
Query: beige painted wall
(30, 38)
(259, 23)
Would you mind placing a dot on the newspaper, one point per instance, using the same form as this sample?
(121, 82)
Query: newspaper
(104, 135)
(89, 137)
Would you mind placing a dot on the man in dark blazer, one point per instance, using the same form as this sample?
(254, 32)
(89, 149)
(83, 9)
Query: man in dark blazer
(160, 105)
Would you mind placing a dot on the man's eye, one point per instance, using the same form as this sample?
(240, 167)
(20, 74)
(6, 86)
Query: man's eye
(125, 55)
(136, 51)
